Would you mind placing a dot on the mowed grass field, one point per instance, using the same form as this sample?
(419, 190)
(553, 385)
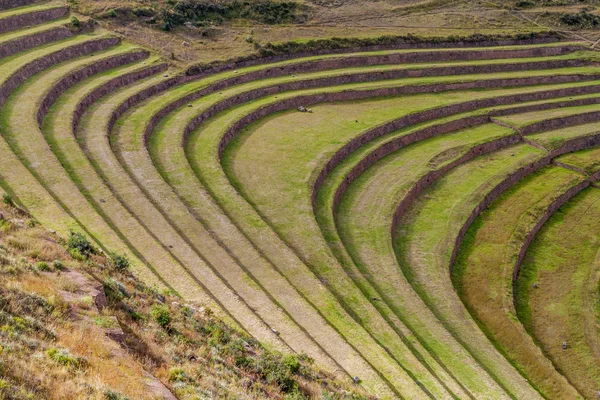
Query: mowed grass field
(418, 221)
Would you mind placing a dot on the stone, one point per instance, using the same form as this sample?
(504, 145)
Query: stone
(189, 105)
(535, 286)
(564, 345)
(310, 110)
(275, 331)
(166, 75)
(301, 109)
(186, 44)
(355, 379)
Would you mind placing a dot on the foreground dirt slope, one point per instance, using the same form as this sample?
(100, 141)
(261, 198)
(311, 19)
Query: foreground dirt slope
(76, 323)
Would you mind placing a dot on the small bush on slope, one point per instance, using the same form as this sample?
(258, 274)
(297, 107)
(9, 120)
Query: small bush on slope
(55, 346)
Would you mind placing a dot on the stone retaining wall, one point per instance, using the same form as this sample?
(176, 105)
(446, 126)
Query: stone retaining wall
(20, 21)
(111, 86)
(208, 69)
(6, 4)
(84, 72)
(40, 64)
(21, 44)
(366, 60)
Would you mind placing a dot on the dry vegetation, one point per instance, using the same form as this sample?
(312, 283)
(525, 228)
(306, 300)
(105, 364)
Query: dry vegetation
(141, 344)
(213, 40)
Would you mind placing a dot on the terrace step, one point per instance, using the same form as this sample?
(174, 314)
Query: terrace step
(7, 4)
(21, 18)
(562, 262)
(485, 268)
(20, 41)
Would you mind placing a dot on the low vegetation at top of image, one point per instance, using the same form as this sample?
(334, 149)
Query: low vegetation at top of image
(61, 339)
(200, 13)
(553, 3)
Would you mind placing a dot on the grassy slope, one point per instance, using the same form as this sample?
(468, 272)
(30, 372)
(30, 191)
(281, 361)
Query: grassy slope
(484, 268)
(15, 178)
(57, 129)
(288, 181)
(223, 123)
(369, 18)
(424, 250)
(563, 261)
(94, 140)
(18, 116)
(131, 144)
(364, 219)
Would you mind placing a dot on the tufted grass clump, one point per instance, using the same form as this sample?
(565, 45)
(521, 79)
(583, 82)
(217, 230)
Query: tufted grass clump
(64, 357)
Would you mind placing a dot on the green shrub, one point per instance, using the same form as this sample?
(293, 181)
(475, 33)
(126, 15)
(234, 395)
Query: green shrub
(79, 243)
(583, 19)
(525, 4)
(7, 200)
(75, 22)
(111, 13)
(58, 265)
(112, 395)
(42, 266)
(161, 315)
(291, 363)
(119, 262)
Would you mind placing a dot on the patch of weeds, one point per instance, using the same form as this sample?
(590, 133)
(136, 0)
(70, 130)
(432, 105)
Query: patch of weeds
(7, 200)
(106, 322)
(63, 357)
(42, 266)
(75, 22)
(119, 262)
(79, 245)
(58, 265)
(5, 226)
(525, 4)
(162, 315)
(583, 19)
(112, 395)
(177, 374)
(86, 302)
(115, 290)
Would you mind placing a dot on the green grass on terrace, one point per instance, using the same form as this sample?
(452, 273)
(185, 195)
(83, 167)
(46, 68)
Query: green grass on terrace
(563, 262)
(57, 129)
(364, 221)
(5, 37)
(522, 120)
(425, 239)
(30, 8)
(484, 269)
